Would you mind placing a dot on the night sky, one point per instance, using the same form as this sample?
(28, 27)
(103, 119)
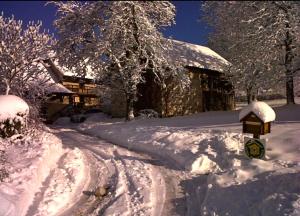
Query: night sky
(187, 27)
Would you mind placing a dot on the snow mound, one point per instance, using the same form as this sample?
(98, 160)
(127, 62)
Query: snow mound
(29, 167)
(11, 105)
(64, 183)
(259, 108)
(203, 165)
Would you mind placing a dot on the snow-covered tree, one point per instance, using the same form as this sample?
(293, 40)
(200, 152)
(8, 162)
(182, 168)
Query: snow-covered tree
(120, 39)
(21, 51)
(259, 38)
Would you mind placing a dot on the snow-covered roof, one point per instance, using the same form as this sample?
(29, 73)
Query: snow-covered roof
(260, 109)
(51, 80)
(58, 88)
(72, 72)
(57, 71)
(68, 72)
(197, 56)
(11, 105)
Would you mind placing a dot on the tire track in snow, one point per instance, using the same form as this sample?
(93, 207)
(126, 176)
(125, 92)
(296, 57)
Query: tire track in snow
(141, 181)
(172, 173)
(136, 173)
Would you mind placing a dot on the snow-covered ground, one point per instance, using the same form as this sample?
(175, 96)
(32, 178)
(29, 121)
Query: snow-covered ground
(189, 165)
(217, 177)
(42, 176)
(28, 166)
(136, 186)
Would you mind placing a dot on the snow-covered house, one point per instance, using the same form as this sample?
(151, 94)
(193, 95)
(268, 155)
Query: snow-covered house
(68, 92)
(208, 90)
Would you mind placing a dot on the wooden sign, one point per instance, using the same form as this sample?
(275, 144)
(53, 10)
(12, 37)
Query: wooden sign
(253, 124)
(254, 148)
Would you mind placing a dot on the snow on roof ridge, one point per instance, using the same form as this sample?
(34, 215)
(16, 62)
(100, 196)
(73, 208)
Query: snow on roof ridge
(261, 109)
(71, 72)
(58, 88)
(203, 47)
(197, 56)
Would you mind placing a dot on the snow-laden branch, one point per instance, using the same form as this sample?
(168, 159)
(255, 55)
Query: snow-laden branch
(21, 50)
(121, 37)
(260, 35)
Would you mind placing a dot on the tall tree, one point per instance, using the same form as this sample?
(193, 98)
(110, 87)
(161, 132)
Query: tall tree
(120, 39)
(22, 50)
(259, 38)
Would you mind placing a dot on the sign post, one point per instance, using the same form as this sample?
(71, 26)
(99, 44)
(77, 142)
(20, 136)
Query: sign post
(256, 118)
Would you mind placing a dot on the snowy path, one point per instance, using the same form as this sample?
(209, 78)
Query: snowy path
(191, 166)
(139, 184)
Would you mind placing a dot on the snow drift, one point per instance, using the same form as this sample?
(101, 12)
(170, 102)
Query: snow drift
(209, 146)
(29, 166)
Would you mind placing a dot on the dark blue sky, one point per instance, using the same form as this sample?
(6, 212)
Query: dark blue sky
(187, 27)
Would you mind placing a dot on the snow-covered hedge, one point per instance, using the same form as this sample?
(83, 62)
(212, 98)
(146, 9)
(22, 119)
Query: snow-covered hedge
(13, 115)
(148, 113)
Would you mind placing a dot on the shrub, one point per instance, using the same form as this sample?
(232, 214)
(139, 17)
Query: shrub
(148, 113)
(13, 115)
(13, 126)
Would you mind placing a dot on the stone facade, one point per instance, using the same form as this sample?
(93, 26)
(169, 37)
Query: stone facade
(118, 104)
(207, 91)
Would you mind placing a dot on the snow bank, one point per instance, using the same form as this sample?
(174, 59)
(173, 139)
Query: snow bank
(11, 105)
(211, 143)
(259, 108)
(203, 165)
(30, 165)
(69, 176)
(197, 150)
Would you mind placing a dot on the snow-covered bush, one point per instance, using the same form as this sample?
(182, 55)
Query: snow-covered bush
(148, 113)
(13, 115)
(22, 50)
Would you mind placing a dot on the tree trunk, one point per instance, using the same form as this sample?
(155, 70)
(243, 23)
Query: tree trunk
(7, 87)
(165, 94)
(249, 98)
(129, 108)
(288, 65)
(290, 90)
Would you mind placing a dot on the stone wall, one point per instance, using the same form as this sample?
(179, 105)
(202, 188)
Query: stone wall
(118, 104)
(205, 93)
(182, 101)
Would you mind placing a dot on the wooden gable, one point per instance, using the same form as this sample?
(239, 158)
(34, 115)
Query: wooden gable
(253, 124)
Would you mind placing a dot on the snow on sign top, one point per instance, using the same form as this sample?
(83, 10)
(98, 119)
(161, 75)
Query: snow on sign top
(11, 105)
(259, 108)
(197, 56)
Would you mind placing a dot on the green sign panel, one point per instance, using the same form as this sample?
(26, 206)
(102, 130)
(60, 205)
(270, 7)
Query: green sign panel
(254, 148)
